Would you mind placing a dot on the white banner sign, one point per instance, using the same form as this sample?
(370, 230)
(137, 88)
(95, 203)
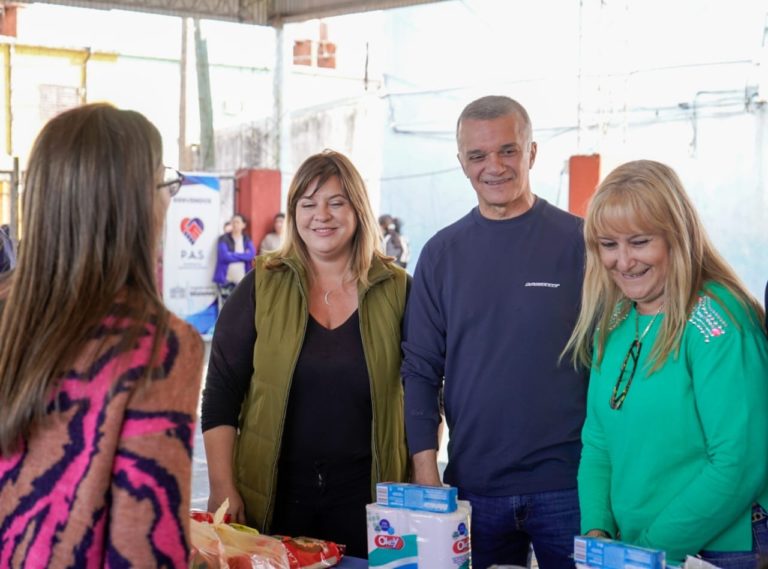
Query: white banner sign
(189, 254)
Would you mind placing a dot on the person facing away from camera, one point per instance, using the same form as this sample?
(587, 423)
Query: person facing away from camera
(676, 429)
(494, 300)
(99, 383)
(302, 409)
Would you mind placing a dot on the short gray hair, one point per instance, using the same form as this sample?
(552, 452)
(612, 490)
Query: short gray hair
(492, 107)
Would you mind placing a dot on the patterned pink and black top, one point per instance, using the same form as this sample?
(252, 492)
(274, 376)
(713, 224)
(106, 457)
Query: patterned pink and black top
(106, 481)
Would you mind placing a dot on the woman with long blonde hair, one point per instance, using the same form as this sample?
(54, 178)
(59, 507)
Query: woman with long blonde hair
(676, 429)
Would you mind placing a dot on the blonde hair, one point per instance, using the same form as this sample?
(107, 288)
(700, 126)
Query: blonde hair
(366, 242)
(91, 233)
(649, 196)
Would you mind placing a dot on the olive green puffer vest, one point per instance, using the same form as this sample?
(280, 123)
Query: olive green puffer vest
(281, 322)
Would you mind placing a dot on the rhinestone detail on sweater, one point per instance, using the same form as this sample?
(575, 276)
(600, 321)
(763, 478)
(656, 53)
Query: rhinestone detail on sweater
(616, 316)
(707, 320)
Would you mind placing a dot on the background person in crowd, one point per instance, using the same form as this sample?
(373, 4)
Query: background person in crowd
(679, 384)
(99, 383)
(391, 241)
(495, 297)
(309, 400)
(7, 253)
(274, 239)
(405, 254)
(234, 255)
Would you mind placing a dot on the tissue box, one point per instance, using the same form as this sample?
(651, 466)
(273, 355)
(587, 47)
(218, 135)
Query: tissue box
(608, 554)
(441, 499)
(399, 538)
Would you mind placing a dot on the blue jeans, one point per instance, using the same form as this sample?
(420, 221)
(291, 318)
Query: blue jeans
(744, 559)
(504, 527)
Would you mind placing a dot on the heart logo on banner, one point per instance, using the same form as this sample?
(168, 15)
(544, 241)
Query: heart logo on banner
(192, 228)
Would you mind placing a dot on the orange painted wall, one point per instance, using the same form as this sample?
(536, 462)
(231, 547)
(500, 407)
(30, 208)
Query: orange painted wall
(8, 20)
(258, 199)
(583, 178)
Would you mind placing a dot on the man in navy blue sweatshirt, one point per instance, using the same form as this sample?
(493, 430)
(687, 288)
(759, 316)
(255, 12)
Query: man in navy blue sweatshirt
(493, 302)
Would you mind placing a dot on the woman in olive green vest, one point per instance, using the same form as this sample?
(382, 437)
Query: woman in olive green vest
(302, 410)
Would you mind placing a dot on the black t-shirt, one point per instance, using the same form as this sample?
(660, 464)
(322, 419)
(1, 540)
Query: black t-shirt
(328, 422)
(230, 365)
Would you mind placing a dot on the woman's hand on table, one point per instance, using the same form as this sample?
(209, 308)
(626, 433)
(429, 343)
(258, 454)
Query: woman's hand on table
(236, 507)
(219, 448)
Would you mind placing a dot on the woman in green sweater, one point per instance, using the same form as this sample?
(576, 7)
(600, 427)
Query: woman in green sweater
(676, 436)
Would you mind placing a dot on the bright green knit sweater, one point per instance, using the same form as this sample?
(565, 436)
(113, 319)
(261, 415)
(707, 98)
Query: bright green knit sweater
(680, 464)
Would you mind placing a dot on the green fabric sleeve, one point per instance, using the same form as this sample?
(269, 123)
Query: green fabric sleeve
(595, 472)
(730, 384)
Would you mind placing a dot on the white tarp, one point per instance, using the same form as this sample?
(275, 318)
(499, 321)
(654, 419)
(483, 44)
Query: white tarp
(189, 253)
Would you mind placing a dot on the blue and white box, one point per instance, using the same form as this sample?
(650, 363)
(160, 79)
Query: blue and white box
(440, 499)
(604, 553)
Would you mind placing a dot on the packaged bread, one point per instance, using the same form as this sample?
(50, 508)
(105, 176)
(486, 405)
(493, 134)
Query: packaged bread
(310, 553)
(218, 545)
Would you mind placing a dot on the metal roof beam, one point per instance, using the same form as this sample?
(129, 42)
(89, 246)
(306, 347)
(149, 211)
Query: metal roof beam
(243, 11)
(259, 12)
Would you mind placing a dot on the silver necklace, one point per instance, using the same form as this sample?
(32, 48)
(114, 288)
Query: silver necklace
(648, 327)
(327, 293)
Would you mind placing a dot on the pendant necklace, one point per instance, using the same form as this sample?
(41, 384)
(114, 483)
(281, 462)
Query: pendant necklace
(327, 293)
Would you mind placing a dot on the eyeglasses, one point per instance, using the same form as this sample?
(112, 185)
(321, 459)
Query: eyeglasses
(617, 399)
(172, 179)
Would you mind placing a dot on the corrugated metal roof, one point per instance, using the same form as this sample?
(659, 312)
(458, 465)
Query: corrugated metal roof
(261, 12)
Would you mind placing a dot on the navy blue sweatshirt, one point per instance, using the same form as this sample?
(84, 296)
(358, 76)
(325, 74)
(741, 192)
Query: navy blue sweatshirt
(492, 305)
